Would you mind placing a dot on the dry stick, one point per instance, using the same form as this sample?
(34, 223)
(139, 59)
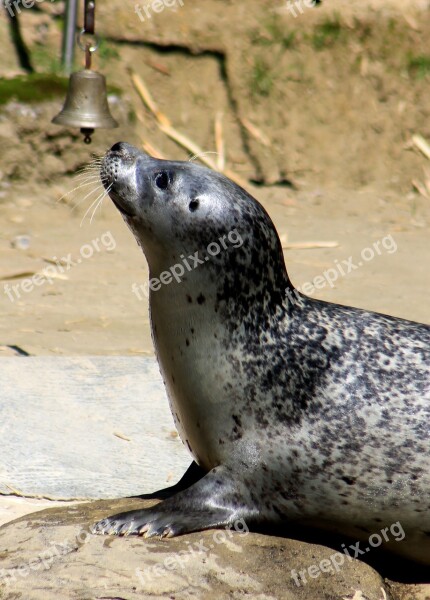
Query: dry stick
(255, 132)
(186, 143)
(121, 436)
(421, 188)
(286, 245)
(422, 145)
(27, 274)
(172, 133)
(158, 67)
(147, 146)
(145, 95)
(219, 142)
(20, 275)
(164, 122)
(309, 245)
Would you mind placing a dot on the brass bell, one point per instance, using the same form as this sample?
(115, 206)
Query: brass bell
(86, 104)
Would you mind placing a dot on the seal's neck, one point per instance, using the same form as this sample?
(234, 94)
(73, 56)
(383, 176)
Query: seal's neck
(237, 289)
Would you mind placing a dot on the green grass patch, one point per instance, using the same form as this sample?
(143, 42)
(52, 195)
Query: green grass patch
(261, 78)
(32, 88)
(279, 35)
(272, 33)
(327, 33)
(106, 51)
(44, 60)
(419, 66)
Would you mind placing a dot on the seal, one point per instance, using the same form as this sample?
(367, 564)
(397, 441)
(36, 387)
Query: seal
(296, 410)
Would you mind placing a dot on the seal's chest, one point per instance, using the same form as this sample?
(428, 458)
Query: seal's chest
(199, 379)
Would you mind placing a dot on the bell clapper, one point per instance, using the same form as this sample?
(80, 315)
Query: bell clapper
(87, 133)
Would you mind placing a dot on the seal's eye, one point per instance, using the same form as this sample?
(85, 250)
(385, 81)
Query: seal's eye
(162, 180)
(193, 205)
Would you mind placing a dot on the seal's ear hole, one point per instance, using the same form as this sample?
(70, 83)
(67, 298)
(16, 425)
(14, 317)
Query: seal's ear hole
(162, 180)
(193, 205)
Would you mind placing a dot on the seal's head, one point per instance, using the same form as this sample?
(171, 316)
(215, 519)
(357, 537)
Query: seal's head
(177, 208)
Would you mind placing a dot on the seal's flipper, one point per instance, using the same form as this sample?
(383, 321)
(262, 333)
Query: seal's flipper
(193, 474)
(211, 502)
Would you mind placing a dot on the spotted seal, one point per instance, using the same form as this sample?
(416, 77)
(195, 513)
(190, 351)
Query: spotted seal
(297, 410)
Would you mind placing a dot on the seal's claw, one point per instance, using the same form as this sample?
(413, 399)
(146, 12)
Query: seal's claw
(159, 528)
(147, 523)
(100, 527)
(125, 529)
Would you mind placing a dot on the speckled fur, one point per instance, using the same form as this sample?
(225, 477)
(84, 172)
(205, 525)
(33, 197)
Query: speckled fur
(298, 409)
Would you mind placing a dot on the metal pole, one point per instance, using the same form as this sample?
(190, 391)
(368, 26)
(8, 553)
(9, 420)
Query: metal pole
(70, 16)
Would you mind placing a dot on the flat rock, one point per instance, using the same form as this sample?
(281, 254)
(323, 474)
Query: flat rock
(51, 554)
(86, 427)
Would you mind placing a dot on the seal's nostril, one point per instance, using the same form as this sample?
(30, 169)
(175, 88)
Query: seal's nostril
(117, 147)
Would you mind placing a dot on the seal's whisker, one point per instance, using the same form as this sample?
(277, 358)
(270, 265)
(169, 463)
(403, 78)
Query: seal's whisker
(78, 187)
(87, 180)
(102, 197)
(94, 190)
(196, 156)
(75, 206)
(91, 165)
(81, 185)
(92, 173)
(88, 209)
(95, 161)
(88, 169)
(96, 186)
(99, 200)
(87, 172)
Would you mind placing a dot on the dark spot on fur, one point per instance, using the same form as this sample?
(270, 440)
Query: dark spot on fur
(237, 420)
(201, 299)
(348, 480)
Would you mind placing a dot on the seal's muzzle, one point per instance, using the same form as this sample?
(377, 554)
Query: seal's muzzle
(118, 177)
